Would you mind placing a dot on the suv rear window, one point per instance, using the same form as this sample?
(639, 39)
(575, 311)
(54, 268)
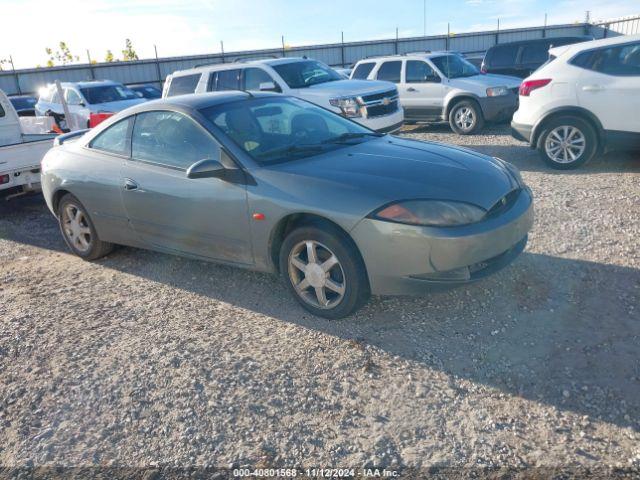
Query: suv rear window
(502, 56)
(621, 60)
(362, 71)
(537, 52)
(390, 71)
(183, 85)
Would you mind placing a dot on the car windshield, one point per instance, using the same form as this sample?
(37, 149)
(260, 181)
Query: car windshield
(454, 66)
(303, 74)
(23, 103)
(107, 93)
(274, 130)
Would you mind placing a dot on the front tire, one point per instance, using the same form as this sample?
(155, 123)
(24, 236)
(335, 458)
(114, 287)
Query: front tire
(78, 231)
(324, 271)
(466, 117)
(567, 142)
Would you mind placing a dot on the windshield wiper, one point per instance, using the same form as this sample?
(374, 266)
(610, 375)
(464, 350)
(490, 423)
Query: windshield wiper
(291, 149)
(352, 135)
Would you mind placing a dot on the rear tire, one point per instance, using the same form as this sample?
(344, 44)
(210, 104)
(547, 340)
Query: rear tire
(567, 142)
(323, 270)
(465, 117)
(78, 231)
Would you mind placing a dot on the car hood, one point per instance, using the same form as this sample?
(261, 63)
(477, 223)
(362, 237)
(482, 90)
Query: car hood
(115, 106)
(390, 168)
(341, 88)
(487, 80)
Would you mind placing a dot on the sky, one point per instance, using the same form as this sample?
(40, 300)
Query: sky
(184, 27)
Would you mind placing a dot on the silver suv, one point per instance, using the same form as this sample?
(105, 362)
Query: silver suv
(443, 86)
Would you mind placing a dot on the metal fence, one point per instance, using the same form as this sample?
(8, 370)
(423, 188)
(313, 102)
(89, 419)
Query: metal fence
(155, 70)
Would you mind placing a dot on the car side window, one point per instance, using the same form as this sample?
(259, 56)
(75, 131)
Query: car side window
(225, 80)
(418, 71)
(621, 60)
(253, 77)
(171, 139)
(183, 85)
(390, 71)
(72, 97)
(114, 139)
(363, 70)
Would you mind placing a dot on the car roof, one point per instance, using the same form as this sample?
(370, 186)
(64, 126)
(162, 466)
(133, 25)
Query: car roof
(605, 42)
(197, 101)
(540, 40)
(411, 55)
(88, 83)
(241, 64)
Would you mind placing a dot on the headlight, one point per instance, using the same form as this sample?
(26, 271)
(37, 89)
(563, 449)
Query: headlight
(350, 106)
(497, 91)
(435, 213)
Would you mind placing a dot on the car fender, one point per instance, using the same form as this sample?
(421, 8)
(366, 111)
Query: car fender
(455, 95)
(567, 110)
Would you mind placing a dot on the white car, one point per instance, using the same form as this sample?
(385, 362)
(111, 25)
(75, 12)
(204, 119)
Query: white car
(372, 104)
(20, 151)
(584, 100)
(85, 98)
(443, 86)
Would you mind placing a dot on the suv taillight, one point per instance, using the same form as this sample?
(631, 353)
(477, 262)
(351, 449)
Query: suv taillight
(4, 179)
(530, 85)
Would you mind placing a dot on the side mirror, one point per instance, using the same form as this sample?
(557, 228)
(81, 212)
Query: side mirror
(269, 87)
(207, 168)
(82, 104)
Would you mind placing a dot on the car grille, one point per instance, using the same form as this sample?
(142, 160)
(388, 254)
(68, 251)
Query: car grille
(380, 110)
(381, 103)
(504, 204)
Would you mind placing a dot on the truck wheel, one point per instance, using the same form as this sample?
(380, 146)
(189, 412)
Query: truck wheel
(324, 271)
(78, 231)
(466, 117)
(567, 142)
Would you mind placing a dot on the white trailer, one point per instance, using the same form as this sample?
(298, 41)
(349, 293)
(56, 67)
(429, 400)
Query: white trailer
(20, 152)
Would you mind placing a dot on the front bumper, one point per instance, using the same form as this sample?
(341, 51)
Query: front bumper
(521, 132)
(384, 124)
(495, 109)
(405, 259)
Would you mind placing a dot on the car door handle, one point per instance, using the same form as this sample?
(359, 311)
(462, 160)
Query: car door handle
(411, 89)
(593, 88)
(130, 184)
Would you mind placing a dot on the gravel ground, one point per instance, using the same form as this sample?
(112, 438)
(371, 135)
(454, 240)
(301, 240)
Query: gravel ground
(147, 359)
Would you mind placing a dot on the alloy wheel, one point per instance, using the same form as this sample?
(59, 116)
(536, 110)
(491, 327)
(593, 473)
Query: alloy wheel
(76, 228)
(565, 144)
(465, 118)
(316, 274)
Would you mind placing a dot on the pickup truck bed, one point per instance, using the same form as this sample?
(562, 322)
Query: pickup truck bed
(20, 162)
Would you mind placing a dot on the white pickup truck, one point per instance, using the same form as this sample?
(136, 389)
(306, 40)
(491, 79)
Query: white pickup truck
(20, 152)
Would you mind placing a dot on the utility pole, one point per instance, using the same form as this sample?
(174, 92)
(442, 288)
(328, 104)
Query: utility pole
(15, 75)
(222, 50)
(544, 29)
(93, 74)
(424, 17)
(284, 53)
(155, 49)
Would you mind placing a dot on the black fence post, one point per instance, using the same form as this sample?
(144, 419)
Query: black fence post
(606, 30)
(93, 73)
(15, 75)
(155, 49)
(396, 45)
(342, 50)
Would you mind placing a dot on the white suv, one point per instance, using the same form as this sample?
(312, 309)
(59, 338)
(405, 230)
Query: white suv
(584, 100)
(443, 86)
(372, 104)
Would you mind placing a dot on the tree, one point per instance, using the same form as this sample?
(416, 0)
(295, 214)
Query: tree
(62, 55)
(109, 57)
(3, 61)
(129, 52)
